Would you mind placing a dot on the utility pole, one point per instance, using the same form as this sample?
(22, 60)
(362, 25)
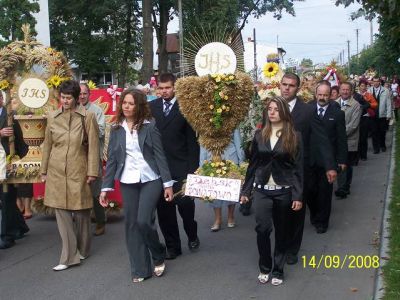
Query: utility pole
(255, 55)
(277, 41)
(182, 62)
(371, 31)
(348, 56)
(343, 58)
(340, 58)
(357, 32)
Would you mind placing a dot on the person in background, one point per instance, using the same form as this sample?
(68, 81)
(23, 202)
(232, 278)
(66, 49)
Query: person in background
(182, 152)
(365, 122)
(136, 158)
(13, 226)
(334, 93)
(99, 212)
(70, 164)
(352, 112)
(235, 153)
(383, 114)
(276, 173)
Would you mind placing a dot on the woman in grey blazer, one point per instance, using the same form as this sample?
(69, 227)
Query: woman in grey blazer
(136, 158)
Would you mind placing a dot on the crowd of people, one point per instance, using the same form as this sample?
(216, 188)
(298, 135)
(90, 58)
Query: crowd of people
(296, 156)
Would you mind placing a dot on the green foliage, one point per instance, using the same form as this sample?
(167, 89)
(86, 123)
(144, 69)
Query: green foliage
(96, 35)
(13, 14)
(391, 269)
(306, 63)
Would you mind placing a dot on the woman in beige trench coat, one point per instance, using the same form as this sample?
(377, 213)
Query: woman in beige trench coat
(70, 162)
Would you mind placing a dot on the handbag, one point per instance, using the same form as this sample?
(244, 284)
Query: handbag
(85, 141)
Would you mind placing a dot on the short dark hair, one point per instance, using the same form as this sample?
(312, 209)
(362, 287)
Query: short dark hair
(323, 82)
(167, 77)
(335, 88)
(292, 76)
(363, 81)
(70, 87)
(348, 84)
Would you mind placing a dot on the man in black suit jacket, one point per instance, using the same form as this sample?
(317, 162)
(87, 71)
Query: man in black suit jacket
(13, 225)
(317, 150)
(182, 152)
(319, 196)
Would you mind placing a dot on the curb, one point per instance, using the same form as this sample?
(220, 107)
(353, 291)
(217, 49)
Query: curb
(379, 286)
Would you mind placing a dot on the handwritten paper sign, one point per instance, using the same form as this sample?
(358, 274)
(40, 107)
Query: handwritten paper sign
(33, 92)
(215, 58)
(213, 187)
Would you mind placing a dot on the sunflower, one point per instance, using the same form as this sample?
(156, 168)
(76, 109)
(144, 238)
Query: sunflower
(4, 84)
(270, 69)
(56, 80)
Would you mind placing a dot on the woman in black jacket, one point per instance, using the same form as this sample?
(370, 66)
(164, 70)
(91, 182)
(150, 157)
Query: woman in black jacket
(276, 174)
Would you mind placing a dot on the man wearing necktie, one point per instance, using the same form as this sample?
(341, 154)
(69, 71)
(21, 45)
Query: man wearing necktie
(320, 190)
(383, 114)
(352, 113)
(317, 151)
(182, 152)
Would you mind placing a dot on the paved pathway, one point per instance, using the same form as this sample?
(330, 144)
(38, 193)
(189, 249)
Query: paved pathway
(225, 267)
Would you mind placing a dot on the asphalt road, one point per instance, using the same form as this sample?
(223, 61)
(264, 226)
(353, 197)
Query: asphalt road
(225, 267)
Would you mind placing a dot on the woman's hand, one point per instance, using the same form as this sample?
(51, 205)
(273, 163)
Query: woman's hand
(90, 179)
(44, 177)
(168, 194)
(103, 199)
(297, 205)
(244, 199)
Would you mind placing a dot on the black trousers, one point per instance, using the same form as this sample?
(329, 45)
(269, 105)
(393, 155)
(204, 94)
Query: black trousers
(272, 210)
(379, 126)
(363, 141)
(12, 222)
(168, 222)
(345, 178)
(319, 197)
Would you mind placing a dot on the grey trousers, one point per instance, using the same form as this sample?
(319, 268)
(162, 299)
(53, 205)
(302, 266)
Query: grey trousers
(75, 237)
(140, 202)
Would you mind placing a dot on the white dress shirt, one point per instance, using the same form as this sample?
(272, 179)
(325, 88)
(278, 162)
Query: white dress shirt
(172, 101)
(292, 104)
(323, 107)
(136, 169)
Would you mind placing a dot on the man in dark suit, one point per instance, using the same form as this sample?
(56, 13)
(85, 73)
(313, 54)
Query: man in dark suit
(13, 225)
(182, 152)
(319, 198)
(317, 149)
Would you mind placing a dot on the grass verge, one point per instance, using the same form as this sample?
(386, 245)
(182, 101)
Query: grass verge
(392, 269)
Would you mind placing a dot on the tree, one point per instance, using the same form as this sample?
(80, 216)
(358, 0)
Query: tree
(15, 13)
(97, 35)
(148, 53)
(306, 63)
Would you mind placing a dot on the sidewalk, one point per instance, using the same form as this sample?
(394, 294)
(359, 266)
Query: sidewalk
(225, 267)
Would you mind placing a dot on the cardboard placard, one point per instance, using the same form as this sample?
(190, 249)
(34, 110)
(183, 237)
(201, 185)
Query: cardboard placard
(213, 187)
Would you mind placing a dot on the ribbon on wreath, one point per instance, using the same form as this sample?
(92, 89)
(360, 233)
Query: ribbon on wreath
(332, 72)
(114, 91)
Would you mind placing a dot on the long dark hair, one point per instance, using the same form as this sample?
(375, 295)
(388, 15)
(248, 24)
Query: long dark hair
(142, 109)
(287, 133)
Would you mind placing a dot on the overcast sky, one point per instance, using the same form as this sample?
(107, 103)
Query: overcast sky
(318, 31)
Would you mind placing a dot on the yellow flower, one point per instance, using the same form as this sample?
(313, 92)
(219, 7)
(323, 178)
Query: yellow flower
(222, 163)
(218, 171)
(224, 168)
(91, 85)
(231, 77)
(223, 76)
(4, 84)
(213, 165)
(213, 75)
(270, 69)
(219, 110)
(211, 106)
(223, 107)
(223, 172)
(218, 79)
(55, 80)
(227, 108)
(226, 97)
(212, 174)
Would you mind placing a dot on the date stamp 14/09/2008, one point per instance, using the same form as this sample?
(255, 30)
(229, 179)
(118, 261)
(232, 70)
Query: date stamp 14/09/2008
(340, 262)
